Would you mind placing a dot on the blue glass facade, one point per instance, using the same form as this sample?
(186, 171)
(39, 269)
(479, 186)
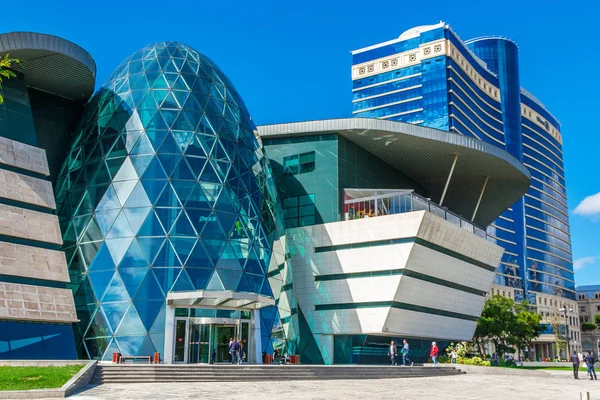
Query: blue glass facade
(165, 189)
(431, 77)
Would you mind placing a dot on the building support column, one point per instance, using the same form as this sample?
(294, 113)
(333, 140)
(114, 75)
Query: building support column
(448, 180)
(256, 338)
(480, 197)
(169, 334)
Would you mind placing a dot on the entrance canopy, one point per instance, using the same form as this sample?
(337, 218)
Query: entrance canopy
(219, 299)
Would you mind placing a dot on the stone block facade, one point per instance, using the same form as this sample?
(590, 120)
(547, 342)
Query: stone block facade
(33, 262)
(26, 189)
(28, 224)
(24, 156)
(36, 303)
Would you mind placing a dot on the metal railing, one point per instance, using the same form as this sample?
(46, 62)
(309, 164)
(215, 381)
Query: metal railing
(375, 203)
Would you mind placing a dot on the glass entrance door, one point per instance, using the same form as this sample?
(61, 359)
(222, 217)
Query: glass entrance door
(220, 341)
(181, 341)
(199, 344)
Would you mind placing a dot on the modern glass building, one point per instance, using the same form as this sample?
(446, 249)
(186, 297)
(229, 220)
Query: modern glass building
(428, 76)
(40, 111)
(167, 207)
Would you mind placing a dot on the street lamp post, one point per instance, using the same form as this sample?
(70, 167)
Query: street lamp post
(564, 311)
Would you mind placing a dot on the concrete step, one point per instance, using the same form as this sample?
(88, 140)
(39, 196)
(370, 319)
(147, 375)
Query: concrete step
(228, 373)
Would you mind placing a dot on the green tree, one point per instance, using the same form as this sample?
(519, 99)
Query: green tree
(588, 326)
(597, 319)
(526, 327)
(5, 71)
(507, 325)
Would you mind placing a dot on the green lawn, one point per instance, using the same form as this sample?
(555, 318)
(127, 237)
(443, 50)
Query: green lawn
(25, 378)
(581, 367)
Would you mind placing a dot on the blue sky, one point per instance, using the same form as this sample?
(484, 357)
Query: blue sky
(290, 60)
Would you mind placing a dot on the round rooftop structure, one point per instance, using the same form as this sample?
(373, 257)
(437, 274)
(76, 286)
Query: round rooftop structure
(51, 64)
(430, 156)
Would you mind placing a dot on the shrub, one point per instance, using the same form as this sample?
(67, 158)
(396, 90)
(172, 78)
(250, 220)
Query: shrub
(588, 326)
(443, 359)
(486, 363)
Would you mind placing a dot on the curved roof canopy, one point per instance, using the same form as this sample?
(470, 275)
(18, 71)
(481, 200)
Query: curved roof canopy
(427, 155)
(51, 64)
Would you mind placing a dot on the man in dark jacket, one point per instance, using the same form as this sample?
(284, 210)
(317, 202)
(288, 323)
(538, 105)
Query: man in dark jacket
(575, 361)
(589, 363)
(234, 348)
(393, 352)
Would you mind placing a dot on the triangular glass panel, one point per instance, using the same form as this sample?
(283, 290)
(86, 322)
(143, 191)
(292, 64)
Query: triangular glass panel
(166, 277)
(153, 188)
(183, 283)
(130, 345)
(138, 197)
(126, 172)
(182, 227)
(198, 257)
(266, 289)
(199, 217)
(195, 149)
(85, 294)
(169, 101)
(200, 277)
(136, 217)
(160, 82)
(169, 116)
(114, 313)
(154, 170)
(209, 175)
(212, 229)
(149, 289)
(150, 246)
(183, 138)
(140, 163)
(166, 257)
(255, 282)
(147, 348)
(167, 217)
(103, 260)
(169, 162)
(116, 290)
(159, 96)
(124, 189)
(182, 171)
(168, 198)
(143, 146)
(206, 141)
(151, 227)
(229, 278)
(226, 220)
(183, 189)
(105, 219)
(148, 310)
(113, 165)
(197, 164)
(229, 260)
(134, 257)
(214, 249)
(243, 285)
(211, 190)
(183, 123)
(100, 281)
(157, 136)
(132, 277)
(98, 326)
(118, 247)
(215, 283)
(109, 200)
(131, 324)
(121, 228)
(169, 146)
(183, 246)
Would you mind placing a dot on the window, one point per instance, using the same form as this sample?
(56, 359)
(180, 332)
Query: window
(299, 163)
(545, 301)
(582, 309)
(597, 308)
(299, 211)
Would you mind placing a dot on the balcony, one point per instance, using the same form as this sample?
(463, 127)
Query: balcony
(372, 203)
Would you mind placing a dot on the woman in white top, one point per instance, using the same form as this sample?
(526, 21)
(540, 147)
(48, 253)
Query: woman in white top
(454, 356)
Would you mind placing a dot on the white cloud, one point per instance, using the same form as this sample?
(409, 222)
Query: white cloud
(582, 262)
(589, 206)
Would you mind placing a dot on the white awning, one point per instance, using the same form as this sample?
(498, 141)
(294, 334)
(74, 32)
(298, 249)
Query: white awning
(228, 299)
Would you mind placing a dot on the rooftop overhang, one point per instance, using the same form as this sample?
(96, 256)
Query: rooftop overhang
(474, 179)
(51, 64)
(227, 299)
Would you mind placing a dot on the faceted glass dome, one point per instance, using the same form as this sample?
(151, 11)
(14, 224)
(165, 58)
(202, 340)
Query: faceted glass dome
(165, 189)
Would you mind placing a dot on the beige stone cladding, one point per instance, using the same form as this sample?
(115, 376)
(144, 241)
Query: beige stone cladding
(36, 303)
(28, 224)
(33, 262)
(438, 290)
(23, 156)
(26, 189)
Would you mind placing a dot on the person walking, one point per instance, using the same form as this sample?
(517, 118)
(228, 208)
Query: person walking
(453, 356)
(589, 363)
(495, 359)
(575, 361)
(405, 350)
(234, 348)
(434, 353)
(241, 354)
(393, 352)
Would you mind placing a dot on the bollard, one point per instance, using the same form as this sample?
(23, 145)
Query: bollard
(585, 395)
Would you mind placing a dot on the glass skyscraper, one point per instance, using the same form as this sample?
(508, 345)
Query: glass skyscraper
(429, 76)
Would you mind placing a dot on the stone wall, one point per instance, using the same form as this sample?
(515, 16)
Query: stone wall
(36, 303)
(26, 189)
(28, 224)
(23, 156)
(33, 262)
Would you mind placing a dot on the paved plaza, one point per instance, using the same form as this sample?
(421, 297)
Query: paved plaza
(558, 385)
